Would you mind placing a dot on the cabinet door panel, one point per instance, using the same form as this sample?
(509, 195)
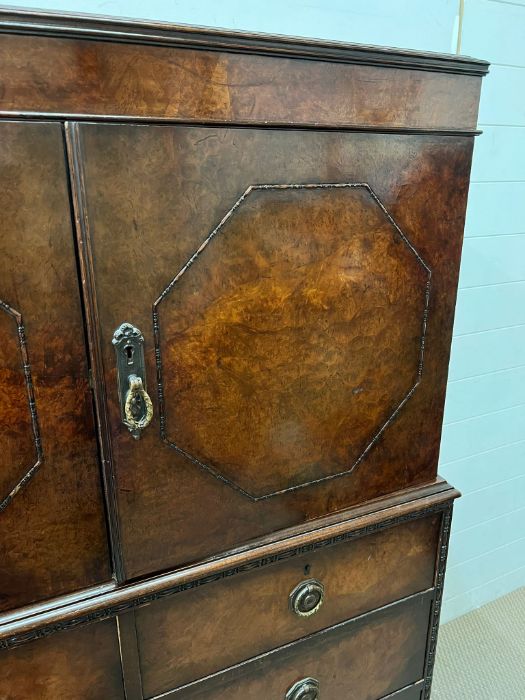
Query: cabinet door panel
(52, 532)
(295, 291)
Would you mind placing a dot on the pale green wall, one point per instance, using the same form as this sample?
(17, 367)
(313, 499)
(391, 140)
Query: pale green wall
(483, 449)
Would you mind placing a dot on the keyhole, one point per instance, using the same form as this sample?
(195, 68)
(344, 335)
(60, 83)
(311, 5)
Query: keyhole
(129, 354)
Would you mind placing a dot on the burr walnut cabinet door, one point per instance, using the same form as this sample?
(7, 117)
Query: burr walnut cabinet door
(292, 293)
(52, 532)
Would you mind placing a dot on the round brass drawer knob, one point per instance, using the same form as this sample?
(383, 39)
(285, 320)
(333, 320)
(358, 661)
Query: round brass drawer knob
(307, 598)
(307, 689)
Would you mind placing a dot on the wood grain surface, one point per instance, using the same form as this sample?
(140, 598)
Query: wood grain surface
(279, 337)
(142, 232)
(74, 77)
(252, 611)
(52, 533)
(372, 656)
(82, 664)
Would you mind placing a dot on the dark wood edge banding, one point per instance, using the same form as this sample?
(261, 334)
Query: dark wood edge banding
(353, 622)
(103, 28)
(83, 239)
(438, 599)
(128, 597)
(233, 124)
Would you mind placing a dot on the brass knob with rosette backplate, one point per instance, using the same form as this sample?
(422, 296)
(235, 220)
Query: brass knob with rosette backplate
(307, 689)
(307, 598)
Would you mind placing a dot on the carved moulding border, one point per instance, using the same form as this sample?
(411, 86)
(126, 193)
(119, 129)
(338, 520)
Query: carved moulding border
(127, 601)
(193, 258)
(438, 600)
(22, 342)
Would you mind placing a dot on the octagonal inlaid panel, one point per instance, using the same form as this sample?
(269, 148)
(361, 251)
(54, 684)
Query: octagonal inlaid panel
(19, 432)
(292, 337)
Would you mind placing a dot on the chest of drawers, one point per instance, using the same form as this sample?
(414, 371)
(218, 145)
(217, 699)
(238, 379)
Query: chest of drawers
(228, 277)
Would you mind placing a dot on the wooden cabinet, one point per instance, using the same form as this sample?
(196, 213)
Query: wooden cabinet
(228, 276)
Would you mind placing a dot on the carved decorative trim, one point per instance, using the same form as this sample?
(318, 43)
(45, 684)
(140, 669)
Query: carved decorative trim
(22, 342)
(157, 333)
(134, 601)
(436, 607)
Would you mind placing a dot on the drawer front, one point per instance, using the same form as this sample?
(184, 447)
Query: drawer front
(366, 659)
(214, 626)
(277, 283)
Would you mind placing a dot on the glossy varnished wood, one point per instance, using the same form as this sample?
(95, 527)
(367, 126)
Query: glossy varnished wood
(72, 77)
(82, 664)
(68, 612)
(252, 611)
(52, 532)
(369, 658)
(143, 230)
(278, 337)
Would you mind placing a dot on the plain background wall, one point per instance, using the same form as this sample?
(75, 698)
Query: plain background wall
(483, 447)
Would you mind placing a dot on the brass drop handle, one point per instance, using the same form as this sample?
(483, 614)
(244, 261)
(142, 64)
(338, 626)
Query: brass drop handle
(307, 598)
(307, 689)
(136, 408)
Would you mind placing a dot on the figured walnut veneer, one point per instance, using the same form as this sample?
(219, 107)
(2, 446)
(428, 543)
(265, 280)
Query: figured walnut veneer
(52, 531)
(284, 350)
(280, 332)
